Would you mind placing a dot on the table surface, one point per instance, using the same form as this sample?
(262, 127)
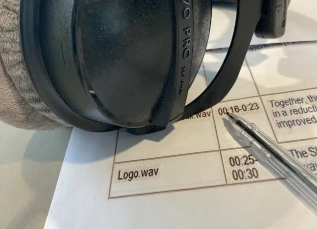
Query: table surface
(30, 163)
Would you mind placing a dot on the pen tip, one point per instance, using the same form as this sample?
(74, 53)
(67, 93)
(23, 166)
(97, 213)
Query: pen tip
(229, 115)
(232, 117)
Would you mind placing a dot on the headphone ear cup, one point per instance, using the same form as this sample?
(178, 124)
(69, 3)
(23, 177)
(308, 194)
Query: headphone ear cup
(202, 21)
(21, 105)
(57, 47)
(140, 59)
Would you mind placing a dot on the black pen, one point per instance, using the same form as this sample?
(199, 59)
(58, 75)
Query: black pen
(303, 180)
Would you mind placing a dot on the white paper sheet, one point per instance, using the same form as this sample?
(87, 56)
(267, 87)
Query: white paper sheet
(197, 175)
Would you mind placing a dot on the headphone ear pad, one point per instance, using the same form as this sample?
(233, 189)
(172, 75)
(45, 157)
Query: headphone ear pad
(15, 111)
(20, 104)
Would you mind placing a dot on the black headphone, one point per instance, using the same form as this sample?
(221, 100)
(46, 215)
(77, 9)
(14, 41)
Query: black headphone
(101, 65)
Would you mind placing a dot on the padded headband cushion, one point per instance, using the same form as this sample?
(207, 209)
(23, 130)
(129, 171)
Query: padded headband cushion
(20, 104)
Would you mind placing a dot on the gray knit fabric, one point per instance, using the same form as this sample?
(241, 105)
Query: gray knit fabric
(20, 104)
